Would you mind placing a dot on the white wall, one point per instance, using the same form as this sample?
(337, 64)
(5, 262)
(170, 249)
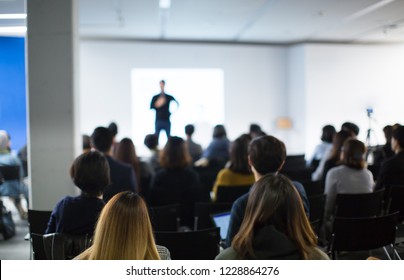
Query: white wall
(343, 80)
(254, 80)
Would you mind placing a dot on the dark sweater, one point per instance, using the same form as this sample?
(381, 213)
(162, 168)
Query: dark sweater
(75, 215)
(391, 172)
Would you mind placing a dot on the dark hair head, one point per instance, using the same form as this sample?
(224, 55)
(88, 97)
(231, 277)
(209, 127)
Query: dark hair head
(354, 154)
(328, 133)
(219, 131)
(267, 154)
(151, 141)
(350, 127)
(337, 143)
(90, 172)
(239, 155)
(189, 129)
(86, 142)
(255, 128)
(273, 200)
(398, 134)
(113, 127)
(102, 139)
(388, 132)
(175, 154)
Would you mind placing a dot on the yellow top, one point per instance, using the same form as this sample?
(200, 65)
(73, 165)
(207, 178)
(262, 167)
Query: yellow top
(226, 177)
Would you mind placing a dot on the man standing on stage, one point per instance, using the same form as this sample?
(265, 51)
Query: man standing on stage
(161, 103)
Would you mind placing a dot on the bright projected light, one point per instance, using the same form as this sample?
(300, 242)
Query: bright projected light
(199, 92)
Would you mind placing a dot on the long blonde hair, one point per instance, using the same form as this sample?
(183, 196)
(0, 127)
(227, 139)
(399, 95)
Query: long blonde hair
(123, 231)
(274, 200)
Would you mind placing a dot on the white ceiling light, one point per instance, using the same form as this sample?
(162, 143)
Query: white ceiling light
(13, 16)
(165, 4)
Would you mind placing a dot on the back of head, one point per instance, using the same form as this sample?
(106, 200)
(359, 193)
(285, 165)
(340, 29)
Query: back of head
(388, 132)
(337, 143)
(267, 154)
(90, 173)
(219, 131)
(239, 154)
(273, 200)
(398, 134)
(175, 154)
(113, 127)
(4, 141)
(354, 154)
(86, 143)
(351, 128)
(123, 231)
(126, 151)
(151, 141)
(102, 139)
(189, 130)
(328, 133)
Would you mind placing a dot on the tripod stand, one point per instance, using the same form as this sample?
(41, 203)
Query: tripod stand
(370, 132)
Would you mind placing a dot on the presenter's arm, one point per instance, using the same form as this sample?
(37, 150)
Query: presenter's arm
(152, 103)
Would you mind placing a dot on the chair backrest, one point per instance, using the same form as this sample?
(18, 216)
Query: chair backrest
(37, 246)
(359, 205)
(360, 234)
(165, 218)
(295, 162)
(317, 206)
(10, 172)
(203, 210)
(38, 221)
(396, 201)
(231, 193)
(65, 247)
(313, 187)
(191, 245)
(303, 174)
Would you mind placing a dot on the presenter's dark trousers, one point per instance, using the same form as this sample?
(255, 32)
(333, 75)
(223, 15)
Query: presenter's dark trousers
(162, 125)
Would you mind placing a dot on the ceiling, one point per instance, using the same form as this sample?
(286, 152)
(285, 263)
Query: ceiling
(237, 21)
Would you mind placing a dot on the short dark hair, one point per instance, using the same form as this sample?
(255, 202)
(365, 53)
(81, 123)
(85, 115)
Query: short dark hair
(102, 139)
(398, 134)
(328, 133)
(90, 173)
(189, 129)
(113, 127)
(267, 154)
(350, 127)
(175, 154)
(354, 154)
(219, 131)
(151, 141)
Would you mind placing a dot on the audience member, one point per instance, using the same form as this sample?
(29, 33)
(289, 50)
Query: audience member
(351, 128)
(195, 150)
(351, 177)
(176, 182)
(113, 127)
(255, 131)
(122, 175)
(384, 152)
(392, 170)
(239, 172)
(124, 232)
(126, 153)
(266, 154)
(151, 141)
(78, 215)
(218, 149)
(275, 226)
(86, 144)
(323, 149)
(334, 158)
(13, 188)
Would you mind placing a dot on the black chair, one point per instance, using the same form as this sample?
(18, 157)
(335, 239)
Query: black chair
(313, 187)
(65, 247)
(396, 204)
(203, 210)
(191, 245)
(303, 174)
(231, 193)
(362, 234)
(37, 224)
(165, 218)
(317, 206)
(295, 162)
(359, 205)
(10, 172)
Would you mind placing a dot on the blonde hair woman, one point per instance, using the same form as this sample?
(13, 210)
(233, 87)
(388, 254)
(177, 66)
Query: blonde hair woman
(275, 225)
(124, 232)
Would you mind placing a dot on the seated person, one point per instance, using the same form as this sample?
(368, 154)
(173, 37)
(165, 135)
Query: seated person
(275, 226)
(124, 232)
(78, 215)
(218, 150)
(239, 172)
(195, 150)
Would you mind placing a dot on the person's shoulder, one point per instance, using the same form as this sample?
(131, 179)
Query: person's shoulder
(115, 163)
